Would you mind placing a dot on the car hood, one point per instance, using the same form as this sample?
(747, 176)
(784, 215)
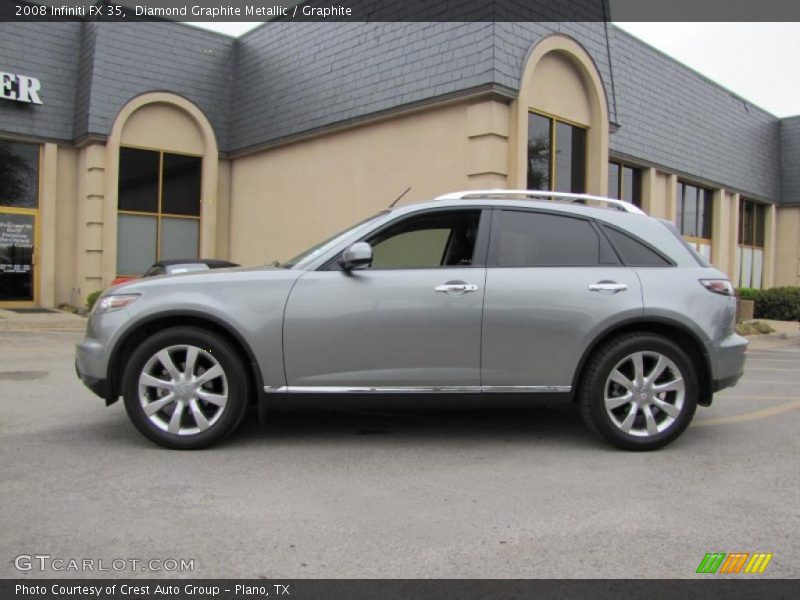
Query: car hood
(204, 278)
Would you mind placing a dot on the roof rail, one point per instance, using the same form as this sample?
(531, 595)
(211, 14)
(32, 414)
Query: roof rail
(543, 195)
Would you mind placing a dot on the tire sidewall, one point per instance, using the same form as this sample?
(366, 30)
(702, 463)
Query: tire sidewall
(606, 361)
(227, 358)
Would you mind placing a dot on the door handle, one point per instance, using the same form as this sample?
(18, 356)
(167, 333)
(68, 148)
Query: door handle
(607, 287)
(456, 288)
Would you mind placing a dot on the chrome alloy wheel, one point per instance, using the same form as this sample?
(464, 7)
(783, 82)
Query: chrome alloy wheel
(644, 394)
(183, 390)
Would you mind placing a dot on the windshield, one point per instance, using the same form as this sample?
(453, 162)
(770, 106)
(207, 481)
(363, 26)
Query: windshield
(326, 245)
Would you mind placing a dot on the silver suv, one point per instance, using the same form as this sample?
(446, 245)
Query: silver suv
(547, 295)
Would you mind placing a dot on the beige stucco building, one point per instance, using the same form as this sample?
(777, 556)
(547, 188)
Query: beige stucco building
(121, 166)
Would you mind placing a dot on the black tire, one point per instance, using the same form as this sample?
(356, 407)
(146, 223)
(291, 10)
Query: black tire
(609, 422)
(212, 421)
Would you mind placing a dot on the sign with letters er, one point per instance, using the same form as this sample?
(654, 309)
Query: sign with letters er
(20, 88)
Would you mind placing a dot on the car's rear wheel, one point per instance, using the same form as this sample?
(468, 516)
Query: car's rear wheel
(640, 391)
(185, 388)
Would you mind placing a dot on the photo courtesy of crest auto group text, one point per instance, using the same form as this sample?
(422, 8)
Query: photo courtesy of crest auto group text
(383, 298)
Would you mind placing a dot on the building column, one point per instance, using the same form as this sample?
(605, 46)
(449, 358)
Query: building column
(648, 191)
(47, 226)
(670, 202)
(721, 240)
(733, 235)
(770, 247)
(786, 267)
(488, 132)
(90, 219)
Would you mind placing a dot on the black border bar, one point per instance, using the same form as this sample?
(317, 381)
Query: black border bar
(711, 587)
(402, 10)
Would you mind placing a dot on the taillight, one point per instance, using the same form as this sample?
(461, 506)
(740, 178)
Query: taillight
(718, 286)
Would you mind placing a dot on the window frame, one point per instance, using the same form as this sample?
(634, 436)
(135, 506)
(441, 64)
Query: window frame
(158, 214)
(759, 220)
(479, 253)
(621, 166)
(493, 259)
(758, 207)
(708, 216)
(553, 172)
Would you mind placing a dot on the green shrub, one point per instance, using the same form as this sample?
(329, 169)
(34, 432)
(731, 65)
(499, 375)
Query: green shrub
(753, 327)
(748, 293)
(780, 304)
(92, 298)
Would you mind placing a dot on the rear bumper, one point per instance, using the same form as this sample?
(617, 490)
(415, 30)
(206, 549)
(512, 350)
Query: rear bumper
(727, 361)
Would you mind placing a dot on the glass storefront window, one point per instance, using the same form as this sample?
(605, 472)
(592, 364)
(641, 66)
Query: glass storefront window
(159, 208)
(694, 211)
(19, 174)
(750, 253)
(539, 152)
(556, 155)
(625, 183)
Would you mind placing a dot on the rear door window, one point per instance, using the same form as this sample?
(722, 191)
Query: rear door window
(536, 239)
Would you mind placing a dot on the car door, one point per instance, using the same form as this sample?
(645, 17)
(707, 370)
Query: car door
(410, 322)
(553, 282)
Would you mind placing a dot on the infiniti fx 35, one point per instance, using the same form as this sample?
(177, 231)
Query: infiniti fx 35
(562, 296)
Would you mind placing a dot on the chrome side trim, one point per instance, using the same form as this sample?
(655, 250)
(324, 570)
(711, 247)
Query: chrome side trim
(439, 389)
(526, 389)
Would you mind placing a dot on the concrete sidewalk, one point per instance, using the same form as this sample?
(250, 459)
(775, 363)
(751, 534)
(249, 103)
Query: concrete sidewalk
(54, 319)
(787, 333)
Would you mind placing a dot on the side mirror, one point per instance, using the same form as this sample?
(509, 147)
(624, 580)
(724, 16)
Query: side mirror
(357, 256)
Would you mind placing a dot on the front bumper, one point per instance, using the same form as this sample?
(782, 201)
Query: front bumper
(90, 366)
(98, 385)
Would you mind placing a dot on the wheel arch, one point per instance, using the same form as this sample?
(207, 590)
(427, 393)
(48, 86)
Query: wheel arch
(166, 320)
(688, 340)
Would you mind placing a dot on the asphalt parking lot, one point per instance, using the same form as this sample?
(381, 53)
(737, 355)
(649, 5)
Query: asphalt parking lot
(518, 493)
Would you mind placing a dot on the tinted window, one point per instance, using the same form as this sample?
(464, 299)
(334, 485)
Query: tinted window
(181, 193)
(694, 211)
(633, 252)
(433, 240)
(138, 180)
(539, 152)
(19, 174)
(570, 158)
(528, 239)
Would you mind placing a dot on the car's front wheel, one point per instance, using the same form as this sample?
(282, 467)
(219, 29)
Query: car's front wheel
(185, 388)
(640, 391)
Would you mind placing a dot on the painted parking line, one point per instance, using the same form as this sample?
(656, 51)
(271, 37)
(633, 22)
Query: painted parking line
(771, 359)
(767, 381)
(750, 416)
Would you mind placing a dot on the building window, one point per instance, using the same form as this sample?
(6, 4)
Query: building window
(19, 174)
(694, 216)
(750, 251)
(159, 208)
(556, 155)
(625, 183)
(19, 200)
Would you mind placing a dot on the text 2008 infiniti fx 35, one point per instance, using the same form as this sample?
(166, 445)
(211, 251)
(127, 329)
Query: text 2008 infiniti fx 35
(536, 293)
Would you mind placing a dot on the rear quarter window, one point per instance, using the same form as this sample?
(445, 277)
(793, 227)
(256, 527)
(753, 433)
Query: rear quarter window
(633, 252)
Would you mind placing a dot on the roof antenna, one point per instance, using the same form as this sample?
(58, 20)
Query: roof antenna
(408, 189)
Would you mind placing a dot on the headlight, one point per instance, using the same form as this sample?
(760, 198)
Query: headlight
(113, 302)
